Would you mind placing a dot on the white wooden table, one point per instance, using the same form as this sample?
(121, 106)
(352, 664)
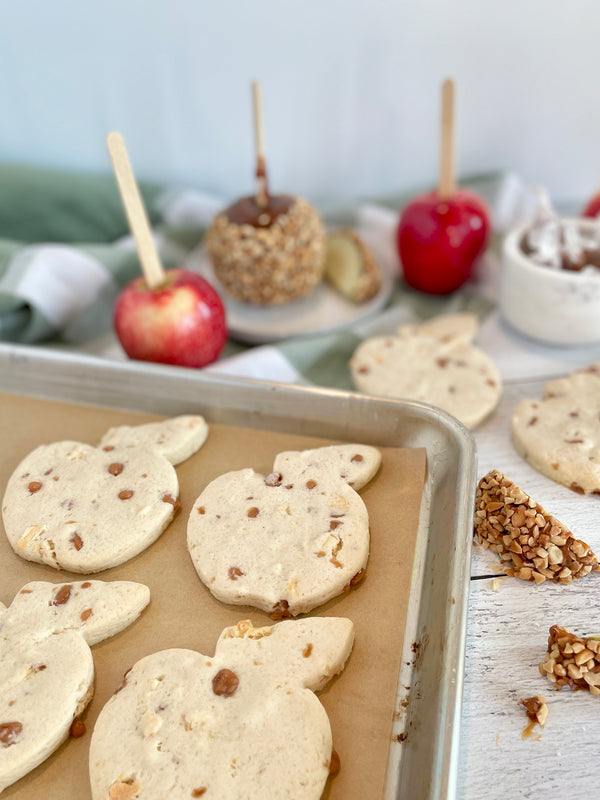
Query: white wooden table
(509, 619)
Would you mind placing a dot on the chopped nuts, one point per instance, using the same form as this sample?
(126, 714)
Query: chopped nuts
(273, 264)
(572, 661)
(532, 543)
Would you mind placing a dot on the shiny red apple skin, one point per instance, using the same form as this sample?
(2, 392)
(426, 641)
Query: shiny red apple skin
(592, 208)
(439, 241)
(182, 322)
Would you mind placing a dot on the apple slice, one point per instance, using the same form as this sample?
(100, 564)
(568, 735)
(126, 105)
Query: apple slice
(350, 267)
(173, 317)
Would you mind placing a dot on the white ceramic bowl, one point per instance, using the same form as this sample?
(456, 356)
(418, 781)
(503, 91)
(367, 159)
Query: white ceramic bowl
(555, 306)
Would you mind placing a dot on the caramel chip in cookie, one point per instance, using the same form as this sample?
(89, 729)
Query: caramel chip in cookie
(46, 666)
(244, 723)
(559, 434)
(288, 541)
(433, 363)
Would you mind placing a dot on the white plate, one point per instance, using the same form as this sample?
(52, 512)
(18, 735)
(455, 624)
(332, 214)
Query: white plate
(324, 311)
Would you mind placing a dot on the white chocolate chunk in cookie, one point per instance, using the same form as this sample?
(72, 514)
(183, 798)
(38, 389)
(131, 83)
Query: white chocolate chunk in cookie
(243, 723)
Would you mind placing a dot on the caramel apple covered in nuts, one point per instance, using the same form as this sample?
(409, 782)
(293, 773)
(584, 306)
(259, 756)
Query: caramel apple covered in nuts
(532, 543)
(267, 249)
(268, 254)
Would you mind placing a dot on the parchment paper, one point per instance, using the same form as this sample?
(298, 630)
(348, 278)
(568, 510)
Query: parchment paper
(182, 613)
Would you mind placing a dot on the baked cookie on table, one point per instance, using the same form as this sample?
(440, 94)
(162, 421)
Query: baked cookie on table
(559, 434)
(434, 363)
(243, 724)
(46, 666)
(84, 509)
(289, 541)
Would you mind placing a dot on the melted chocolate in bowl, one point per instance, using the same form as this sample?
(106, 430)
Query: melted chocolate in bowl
(246, 211)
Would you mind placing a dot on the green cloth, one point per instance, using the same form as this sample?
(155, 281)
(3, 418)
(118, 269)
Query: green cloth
(323, 360)
(49, 205)
(41, 209)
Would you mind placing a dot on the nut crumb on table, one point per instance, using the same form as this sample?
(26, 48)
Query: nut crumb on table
(536, 709)
(532, 543)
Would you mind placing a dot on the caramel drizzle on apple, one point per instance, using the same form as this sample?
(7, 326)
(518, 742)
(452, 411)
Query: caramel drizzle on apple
(262, 191)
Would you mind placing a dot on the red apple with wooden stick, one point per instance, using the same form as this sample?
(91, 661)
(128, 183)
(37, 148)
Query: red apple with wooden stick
(441, 234)
(173, 316)
(592, 207)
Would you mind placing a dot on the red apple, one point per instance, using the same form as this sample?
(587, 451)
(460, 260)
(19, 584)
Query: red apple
(181, 322)
(592, 208)
(440, 240)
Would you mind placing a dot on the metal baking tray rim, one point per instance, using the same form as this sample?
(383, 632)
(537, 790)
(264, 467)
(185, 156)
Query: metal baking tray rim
(423, 755)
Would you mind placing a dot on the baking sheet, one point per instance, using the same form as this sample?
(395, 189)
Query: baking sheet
(423, 756)
(360, 703)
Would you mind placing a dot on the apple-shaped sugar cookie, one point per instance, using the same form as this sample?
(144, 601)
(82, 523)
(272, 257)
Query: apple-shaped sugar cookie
(172, 317)
(559, 434)
(433, 363)
(46, 666)
(243, 724)
(85, 509)
(289, 541)
(441, 234)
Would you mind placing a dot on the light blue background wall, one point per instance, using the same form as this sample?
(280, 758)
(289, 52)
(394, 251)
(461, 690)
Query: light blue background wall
(350, 89)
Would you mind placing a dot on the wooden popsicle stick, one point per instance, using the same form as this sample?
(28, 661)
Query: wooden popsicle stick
(135, 211)
(447, 186)
(262, 194)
